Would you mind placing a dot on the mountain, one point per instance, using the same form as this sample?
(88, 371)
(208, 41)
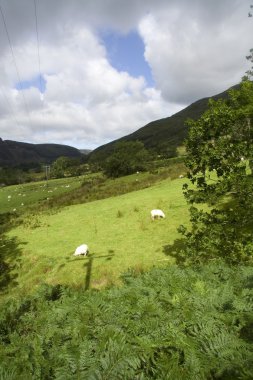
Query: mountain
(13, 153)
(165, 135)
(85, 151)
(161, 136)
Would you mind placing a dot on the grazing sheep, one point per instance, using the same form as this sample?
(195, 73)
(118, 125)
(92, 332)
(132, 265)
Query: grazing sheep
(81, 250)
(181, 176)
(157, 214)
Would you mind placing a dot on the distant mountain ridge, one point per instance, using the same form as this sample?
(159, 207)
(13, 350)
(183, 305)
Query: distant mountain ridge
(85, 151)
(14, 153)
(162, 136)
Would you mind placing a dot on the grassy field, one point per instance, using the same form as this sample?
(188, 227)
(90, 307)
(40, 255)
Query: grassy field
(75, 190)
(16, 198)
(118, 230)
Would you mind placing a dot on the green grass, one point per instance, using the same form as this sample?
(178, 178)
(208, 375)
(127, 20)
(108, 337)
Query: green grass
(19, 197)
(118, 230)
(99, 187)
(57, 193)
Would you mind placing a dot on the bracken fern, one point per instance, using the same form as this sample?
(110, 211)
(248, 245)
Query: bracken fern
(175, 323)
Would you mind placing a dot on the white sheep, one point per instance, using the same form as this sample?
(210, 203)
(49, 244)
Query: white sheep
(81, 250)
(157, 214)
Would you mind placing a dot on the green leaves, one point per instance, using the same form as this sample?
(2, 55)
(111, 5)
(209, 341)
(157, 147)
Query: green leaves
(167, 324)
(127, 158)
(220, 156)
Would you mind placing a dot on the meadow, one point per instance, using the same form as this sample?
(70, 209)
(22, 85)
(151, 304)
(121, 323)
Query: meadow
(17, 198)
(23, 198)
(118, 230)
(150, 319)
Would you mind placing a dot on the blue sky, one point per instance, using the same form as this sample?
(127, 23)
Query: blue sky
(37, 82)
(126, 53)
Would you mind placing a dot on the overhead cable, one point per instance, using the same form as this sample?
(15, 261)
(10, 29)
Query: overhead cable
(14, 61)
(38, 45)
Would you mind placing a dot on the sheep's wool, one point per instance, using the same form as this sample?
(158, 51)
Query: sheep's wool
(157, 214)
(82, 250)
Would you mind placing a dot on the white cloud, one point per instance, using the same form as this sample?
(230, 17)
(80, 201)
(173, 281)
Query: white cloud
(194, 49)
(87, 102)
(198, 52)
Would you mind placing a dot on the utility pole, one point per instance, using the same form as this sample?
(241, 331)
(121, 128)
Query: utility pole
(47, 172)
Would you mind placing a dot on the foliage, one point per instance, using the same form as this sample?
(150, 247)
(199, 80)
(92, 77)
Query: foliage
(220, 157)
(70, 167)
(167, 324)
(249, 73)
(11, 176)
(127, 158)
(59, 166)
(9, 254)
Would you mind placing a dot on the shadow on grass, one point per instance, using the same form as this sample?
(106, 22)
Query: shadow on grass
(10, 260)
(10, 256)
(176, 250)
(89, 263)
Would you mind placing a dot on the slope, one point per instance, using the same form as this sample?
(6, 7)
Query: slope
(162, 136)
(118, 231)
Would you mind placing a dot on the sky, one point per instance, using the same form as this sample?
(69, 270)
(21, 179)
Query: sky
(87, 72)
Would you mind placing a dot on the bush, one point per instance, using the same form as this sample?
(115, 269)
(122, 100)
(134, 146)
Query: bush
(167, 324)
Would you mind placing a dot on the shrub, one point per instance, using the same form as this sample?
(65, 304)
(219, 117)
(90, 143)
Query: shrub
(170, 323)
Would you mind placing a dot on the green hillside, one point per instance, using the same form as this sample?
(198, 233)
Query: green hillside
(162, 136)
(118, 230)
(14, 153)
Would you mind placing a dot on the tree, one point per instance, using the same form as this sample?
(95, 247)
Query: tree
(127, 158)
(249, 73)
(12, 176)
(220, 156)
(64, 164)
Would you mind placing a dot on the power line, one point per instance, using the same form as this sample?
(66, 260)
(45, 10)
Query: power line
(14, 61)
(38, 45)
